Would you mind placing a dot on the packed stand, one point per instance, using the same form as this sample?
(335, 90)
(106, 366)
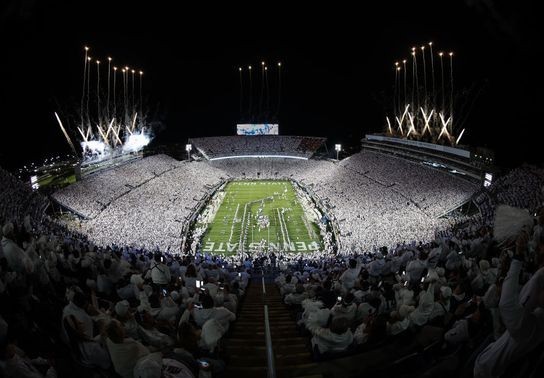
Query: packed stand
(216, 147)
(18, 200)
(71, 308)
(90, 196)
(471, 304)
(407, 210)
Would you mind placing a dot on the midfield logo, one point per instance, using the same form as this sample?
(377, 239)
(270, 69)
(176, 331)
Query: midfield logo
(233, 247)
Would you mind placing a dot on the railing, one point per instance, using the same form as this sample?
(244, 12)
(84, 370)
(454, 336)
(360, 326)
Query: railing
(271, 370)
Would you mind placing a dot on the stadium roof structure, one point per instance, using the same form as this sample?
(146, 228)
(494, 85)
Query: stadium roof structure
(457, 160)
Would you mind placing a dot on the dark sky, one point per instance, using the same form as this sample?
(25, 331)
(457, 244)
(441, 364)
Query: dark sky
(337, 63)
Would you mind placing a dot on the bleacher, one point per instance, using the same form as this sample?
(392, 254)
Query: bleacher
(301, 147)
(440, 157)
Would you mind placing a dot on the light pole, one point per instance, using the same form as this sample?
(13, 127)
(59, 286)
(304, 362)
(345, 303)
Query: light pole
(337, 148)
(188, 148)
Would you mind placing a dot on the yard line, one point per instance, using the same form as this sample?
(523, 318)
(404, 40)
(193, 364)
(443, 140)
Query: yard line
(281, 226)
(233, 220)
(286, 230)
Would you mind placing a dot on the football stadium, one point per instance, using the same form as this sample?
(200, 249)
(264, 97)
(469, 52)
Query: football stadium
(258, 246)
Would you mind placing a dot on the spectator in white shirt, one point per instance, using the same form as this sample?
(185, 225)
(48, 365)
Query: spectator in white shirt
(158, 271)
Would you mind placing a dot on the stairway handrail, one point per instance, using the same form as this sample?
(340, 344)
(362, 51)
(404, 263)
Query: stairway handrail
(271, 368)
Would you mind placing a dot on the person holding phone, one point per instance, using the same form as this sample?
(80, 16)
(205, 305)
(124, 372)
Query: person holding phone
(522, 311)
(345, 308)
(158, 272)
(190, 277)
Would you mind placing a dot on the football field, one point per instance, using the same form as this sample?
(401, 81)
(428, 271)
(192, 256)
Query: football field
(261, 215)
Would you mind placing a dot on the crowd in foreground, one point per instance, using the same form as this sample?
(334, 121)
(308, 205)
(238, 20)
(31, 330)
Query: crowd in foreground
(69, 306)
(477, 290)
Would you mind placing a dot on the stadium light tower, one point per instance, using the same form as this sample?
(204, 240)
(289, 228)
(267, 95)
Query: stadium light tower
(337, 148)
(188, 148)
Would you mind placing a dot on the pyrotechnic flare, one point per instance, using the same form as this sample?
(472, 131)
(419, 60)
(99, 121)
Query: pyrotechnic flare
(84, 83)
(433, 101)
(88, 91)
(279, 89)
(389, 125)
(424, 77)
(444, 126)
(133, 108)
(451, 90)
(401, 120)
(241, 90)
(267, 92)
(459, 137)
(108, 98)
(399, 89)
(441, 54)
(262, 93)
(250, 95)
(141, 103)
(412, 127)
(98, 90)
(413, 77)
(395, 89)
(66, 135)
(426, 120)
(405, 97)
(114, 92)
(125, 110)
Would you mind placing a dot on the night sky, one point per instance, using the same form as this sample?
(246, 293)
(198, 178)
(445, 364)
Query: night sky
(337, 66)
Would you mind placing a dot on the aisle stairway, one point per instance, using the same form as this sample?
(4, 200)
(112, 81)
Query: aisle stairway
(246, 344)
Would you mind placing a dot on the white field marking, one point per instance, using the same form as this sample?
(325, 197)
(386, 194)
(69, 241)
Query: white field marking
(286, 230)
(233, 220)
(281, 226)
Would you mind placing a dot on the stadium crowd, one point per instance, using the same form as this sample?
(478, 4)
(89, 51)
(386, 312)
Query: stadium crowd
(69, 307)
(214, 147)
(74, 302)
(402, 209)
(474, 301)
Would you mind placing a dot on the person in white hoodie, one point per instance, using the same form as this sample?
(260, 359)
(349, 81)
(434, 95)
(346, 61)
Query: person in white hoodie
(399, 320)
(415, 268)
(345, 308)
(158, 271)
(124, 352)
(349, 276)
(208, 311)
(337, 338)
(421, 315)
(15, 255)
(523, 316)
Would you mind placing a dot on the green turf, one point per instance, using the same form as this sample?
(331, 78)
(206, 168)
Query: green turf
(290, 229)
